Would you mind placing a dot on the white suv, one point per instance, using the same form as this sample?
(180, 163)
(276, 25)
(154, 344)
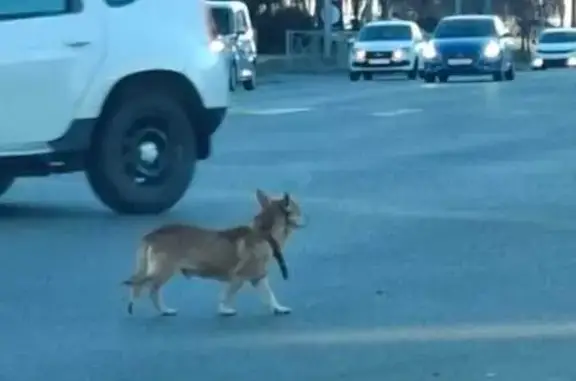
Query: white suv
(128, 91)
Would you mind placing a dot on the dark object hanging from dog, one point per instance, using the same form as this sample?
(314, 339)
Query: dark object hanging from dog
(277, 253)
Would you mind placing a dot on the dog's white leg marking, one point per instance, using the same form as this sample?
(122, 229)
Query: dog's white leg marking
(156, 298)
(268, 297)
(227, 297)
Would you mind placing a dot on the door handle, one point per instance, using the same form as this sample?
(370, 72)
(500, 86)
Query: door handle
(77, 44)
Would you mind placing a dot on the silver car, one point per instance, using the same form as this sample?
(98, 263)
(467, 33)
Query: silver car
(232, 23)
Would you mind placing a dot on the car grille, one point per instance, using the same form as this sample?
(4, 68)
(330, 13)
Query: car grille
(370, 55)
(557, 62)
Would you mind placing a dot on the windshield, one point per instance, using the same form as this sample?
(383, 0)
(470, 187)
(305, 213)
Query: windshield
(465, 28)
(558, 37)
(222, 20)
(385, 33)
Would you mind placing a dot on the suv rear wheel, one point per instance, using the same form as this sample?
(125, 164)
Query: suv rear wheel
(143, 154)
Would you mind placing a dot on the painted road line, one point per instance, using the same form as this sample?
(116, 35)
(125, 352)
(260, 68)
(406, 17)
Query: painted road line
(399, 112)
(270, 111)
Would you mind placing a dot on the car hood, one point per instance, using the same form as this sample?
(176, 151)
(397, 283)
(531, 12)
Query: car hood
(381, 46)
(460, 45)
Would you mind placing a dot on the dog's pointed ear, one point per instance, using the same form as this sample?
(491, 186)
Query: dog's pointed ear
(262, 198)
(286, 199)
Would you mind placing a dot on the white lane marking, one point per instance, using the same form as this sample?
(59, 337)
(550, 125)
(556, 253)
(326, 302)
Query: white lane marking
(401, 111)
(270, 111)
(378, 335)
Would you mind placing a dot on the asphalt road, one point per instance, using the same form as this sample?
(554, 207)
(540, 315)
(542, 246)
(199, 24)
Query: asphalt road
(441, 245)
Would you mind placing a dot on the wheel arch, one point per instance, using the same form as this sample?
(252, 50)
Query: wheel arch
(164, 80)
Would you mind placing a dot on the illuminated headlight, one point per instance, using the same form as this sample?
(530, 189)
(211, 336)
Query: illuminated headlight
(492, 50)
(571, 61)
(359, 55)
(429, 52)
(217, 46)
(537, 62)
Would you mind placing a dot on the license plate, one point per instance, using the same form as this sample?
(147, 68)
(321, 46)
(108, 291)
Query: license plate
(379, 61)
(459, 61)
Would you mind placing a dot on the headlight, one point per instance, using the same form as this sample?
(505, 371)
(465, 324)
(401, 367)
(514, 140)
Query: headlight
(398, 55)
(537, 62)
(359, 55)
(217, 46)
(571, 61)
(429, 52)
(492, 50)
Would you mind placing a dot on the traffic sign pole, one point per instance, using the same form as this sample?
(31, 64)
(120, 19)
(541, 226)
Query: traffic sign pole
(326, 11)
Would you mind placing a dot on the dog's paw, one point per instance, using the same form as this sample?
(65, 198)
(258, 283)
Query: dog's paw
(226, 311)
(169, 312)
(281, 310)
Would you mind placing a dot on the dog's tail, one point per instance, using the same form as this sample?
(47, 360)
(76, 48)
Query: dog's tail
(142, 258)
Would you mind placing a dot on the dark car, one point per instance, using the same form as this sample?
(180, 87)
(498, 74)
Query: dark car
(469, 45)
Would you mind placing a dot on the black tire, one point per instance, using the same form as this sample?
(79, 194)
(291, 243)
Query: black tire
(421, 74)
(429, 78)
(443, 78)
(354, 76)
(249, 84)
(510, 74)
(367, 76)
(413, 74)
(5, 184)
(119, 175)
(498, 76)
(233, 75)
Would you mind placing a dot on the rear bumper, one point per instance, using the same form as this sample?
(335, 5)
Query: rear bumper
(477, 67)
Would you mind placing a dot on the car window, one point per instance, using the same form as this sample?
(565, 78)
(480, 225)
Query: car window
(241, 23)
(15, 9)
(222, 18)
(385, 33)
(558, 37)
(465, 28)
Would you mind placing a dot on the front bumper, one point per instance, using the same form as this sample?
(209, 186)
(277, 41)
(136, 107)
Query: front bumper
(388, 67)
(478, 66)
(551, 61)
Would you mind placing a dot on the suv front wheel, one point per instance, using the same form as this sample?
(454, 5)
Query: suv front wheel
(143, 154)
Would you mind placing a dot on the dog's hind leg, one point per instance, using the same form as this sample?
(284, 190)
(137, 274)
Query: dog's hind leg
(156, 296)
(268, 297)
(227, 297)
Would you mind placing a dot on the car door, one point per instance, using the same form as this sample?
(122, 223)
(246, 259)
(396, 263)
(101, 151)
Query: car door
(43, 68)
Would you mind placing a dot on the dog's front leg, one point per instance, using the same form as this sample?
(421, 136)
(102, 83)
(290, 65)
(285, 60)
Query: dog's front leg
(230, 290)
(268, 297)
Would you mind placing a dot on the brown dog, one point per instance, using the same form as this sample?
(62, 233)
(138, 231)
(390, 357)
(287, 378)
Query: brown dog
(232, 256)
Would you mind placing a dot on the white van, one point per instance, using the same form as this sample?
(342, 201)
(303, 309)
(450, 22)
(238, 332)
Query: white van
(233, 24)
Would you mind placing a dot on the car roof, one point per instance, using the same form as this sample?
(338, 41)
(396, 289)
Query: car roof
(234, 5)
(389, 23)
(470, 17)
